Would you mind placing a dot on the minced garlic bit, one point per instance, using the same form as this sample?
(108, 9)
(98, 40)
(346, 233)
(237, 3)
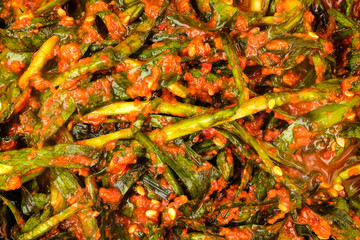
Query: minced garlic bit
(140, 190)
(340, 141)
(172, 213)
(271, 103)
(277, 171)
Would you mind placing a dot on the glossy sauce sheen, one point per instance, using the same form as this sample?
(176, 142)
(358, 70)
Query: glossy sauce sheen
(179, 119)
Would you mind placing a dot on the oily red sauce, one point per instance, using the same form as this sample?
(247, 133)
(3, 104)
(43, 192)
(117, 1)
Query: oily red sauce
(289, 230)
(73, 224)
(98, 6)
(352, 185)
(152, 7)
(115, 28)
(6, 145)
(142, 205)
(332, 3)
(254, 127)
(199, 88)
(321, 162)
(32, 4)
(197, 47)
(202, 89)
(13, 183)
(236, 233)
(68, 54)
(228, 196)
(284, 199)
(119, 162)
(356, 9)
(316, 223)
(63, 161)
(110, 195)
(299, 109)
(143, 87)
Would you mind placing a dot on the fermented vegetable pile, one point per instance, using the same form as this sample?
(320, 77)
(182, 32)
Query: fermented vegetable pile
(179, 119)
